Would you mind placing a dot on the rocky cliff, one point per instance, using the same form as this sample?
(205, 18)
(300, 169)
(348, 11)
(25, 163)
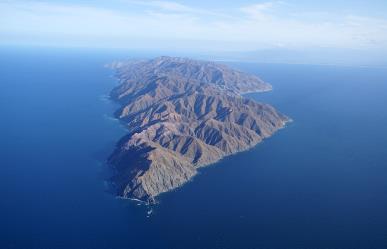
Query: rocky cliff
(182, 114)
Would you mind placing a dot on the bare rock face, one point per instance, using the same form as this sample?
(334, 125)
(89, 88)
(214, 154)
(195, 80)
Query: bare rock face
(182, 114)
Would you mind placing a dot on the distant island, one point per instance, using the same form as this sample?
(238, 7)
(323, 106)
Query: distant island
(182, 114)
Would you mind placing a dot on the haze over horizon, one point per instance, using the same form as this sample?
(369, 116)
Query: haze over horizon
(313, 32)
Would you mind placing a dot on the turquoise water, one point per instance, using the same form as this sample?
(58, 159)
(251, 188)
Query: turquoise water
(320, 183)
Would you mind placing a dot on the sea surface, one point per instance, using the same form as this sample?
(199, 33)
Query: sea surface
(320, 183)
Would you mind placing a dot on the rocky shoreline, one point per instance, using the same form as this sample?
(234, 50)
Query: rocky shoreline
(182, 114)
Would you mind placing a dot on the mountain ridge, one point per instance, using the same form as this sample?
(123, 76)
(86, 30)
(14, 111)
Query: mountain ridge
(182, 114)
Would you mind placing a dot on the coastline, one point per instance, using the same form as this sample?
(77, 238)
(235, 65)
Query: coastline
(247, 139)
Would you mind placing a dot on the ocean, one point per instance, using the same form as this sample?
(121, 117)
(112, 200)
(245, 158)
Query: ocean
(320, 183)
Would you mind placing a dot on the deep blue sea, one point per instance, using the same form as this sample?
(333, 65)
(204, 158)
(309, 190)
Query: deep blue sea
(320, 183)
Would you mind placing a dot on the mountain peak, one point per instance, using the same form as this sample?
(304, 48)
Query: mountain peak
(183, 114)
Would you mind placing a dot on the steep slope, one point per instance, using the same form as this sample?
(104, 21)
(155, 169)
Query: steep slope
(182, 114)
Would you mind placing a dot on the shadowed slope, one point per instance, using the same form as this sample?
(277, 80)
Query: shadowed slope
(183, 114)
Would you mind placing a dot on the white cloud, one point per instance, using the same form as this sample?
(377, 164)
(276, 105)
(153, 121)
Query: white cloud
(166, 6)
(170, 7)
(258, 11)
(164, 22)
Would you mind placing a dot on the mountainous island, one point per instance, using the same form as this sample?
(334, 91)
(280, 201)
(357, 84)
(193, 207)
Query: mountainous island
(182, 114)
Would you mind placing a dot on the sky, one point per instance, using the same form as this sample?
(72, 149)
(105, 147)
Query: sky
(197, 25)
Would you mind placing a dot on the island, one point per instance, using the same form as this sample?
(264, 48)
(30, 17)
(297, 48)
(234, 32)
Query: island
(182, 114)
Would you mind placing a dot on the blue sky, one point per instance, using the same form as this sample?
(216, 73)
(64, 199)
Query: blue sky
(197, 25)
